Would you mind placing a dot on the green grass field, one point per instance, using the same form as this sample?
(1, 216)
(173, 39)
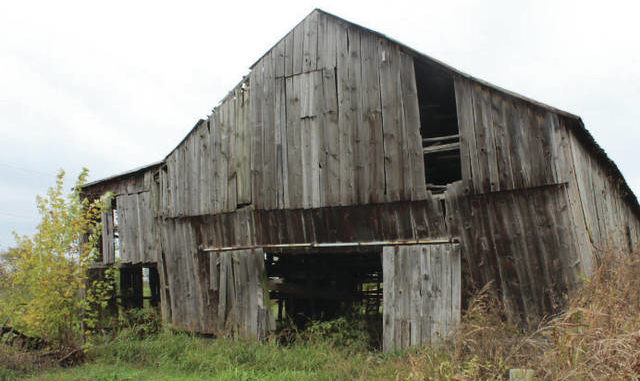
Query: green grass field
(174, 356)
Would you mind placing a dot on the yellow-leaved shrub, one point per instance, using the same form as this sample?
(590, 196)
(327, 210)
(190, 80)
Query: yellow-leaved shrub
(44, 287)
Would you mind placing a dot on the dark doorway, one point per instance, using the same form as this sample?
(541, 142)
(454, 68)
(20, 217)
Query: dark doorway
(308, 287)
(131, 289)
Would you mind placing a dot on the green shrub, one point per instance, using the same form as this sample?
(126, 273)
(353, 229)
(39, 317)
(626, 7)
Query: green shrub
(45, 276)
(140, 322)
(350, 334)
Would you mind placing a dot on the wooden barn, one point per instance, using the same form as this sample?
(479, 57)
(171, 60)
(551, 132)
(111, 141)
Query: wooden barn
(348, 172)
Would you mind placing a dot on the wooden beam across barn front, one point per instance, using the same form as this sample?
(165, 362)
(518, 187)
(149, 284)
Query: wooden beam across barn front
(318, 245)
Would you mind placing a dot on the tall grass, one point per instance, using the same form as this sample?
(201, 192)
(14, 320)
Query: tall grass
(598, 337)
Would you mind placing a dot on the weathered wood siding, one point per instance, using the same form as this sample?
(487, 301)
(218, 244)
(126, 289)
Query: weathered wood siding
(108, 241)
(422, 294)
(317, 123)
(326, 121)
(602, 203)
(209, 172)
(135, 224)
(506, 143)
(192, 299)
(522, 241)
(513, 209)
(535, 205)
(139, 181)
(191, 305)
(511, 144)
(339, 224)
(243, 304)
(212, 293)
(135, 228)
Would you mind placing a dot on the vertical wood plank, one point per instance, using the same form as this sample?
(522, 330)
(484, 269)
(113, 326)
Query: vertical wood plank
(108, 255)
(288, 54)
(412, 124)
(331, 137)
(222, 301)
(316, 137)
(223, 158)
(280, 132)
(243, 145)
(389, 300)
(232, 174)
(327, 39)
(306, 145)
(269, 178)
(279, 59)
(294, 139)
(427, 295)
(370, 149)
(310, 43)
(464, 109)
(347, 66)
(257, 159)
(298, 49)
(392, 118)
(214, 271)
(416, 298)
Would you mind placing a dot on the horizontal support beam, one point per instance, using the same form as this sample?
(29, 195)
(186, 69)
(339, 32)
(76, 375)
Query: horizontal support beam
(441, 148)
(314, 245)
(440, 138)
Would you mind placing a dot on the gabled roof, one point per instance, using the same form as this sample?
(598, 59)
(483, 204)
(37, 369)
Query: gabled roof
(578, 126)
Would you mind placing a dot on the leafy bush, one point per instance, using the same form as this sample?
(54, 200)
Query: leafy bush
(341, 332)
(45, 276)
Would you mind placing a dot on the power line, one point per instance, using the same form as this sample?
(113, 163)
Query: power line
(10, 165)
(31, 218)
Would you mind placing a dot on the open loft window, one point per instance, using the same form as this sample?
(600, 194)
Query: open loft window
(438, 125)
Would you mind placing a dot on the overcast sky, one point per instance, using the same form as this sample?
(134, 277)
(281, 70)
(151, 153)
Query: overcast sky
(116, 85)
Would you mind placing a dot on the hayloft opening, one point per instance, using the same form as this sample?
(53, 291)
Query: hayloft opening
(310, 287)
(438, 125)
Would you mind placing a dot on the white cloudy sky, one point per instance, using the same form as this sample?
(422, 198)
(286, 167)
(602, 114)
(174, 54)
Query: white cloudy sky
(114, 85)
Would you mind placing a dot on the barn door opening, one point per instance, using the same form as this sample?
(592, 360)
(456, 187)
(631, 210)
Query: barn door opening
(307, 287)
(438, 125)
(421, 294)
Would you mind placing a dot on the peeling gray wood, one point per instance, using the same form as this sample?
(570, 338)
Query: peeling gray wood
(421, 294)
